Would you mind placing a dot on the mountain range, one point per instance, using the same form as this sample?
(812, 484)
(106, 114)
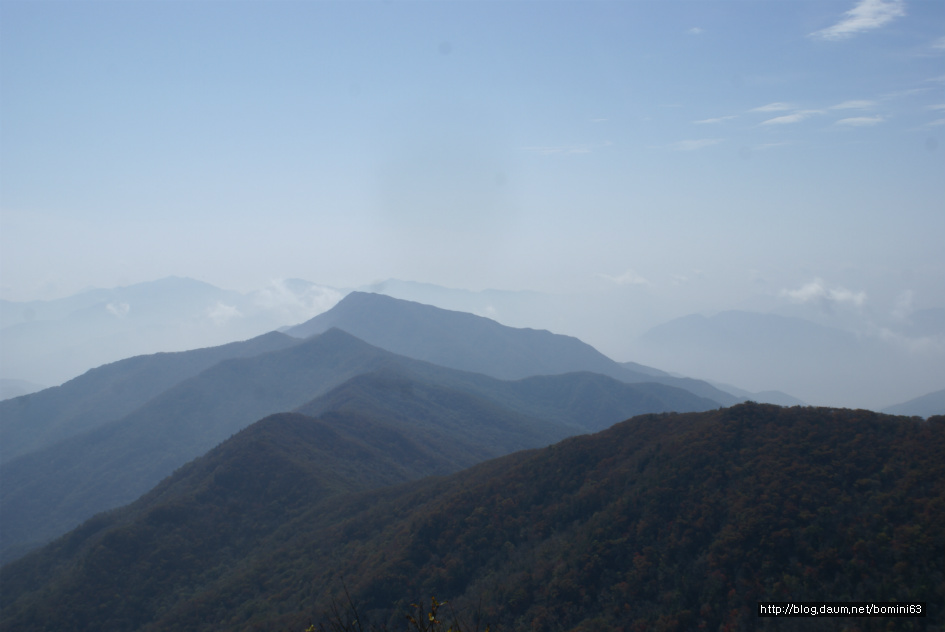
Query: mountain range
(467, 342)
(386, 452)
(670, 521)
(820, 364)
(855, 356)
(103, 439)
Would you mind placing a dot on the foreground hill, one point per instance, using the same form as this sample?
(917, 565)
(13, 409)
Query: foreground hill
(661, 522)
(47, 492)
(473, 343)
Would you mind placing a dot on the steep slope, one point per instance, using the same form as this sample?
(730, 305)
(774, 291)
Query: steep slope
(922, 406)
(472, 343)
(661, 522)
(110, 392)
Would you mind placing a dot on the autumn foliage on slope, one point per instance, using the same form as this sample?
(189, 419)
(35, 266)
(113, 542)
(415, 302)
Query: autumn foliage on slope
(663, 522)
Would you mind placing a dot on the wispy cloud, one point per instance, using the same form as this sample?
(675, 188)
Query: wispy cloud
(936, 123)
(788, 119)
(937, 106)
(853, 105)
(712, 121)
(627, 278)
(939, 44)
(865, 16)
(565, 150)
(118, 309)
(693, 145)
(221, 313)
(696, 31)
(774, 107)
(817, 292)
(559, 150)
(860, 121)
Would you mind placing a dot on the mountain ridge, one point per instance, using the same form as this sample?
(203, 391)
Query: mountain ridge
(675, 520)
(49, 491)
(468, 342)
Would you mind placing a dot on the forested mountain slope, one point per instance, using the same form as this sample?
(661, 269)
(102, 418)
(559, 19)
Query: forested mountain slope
(676, 521)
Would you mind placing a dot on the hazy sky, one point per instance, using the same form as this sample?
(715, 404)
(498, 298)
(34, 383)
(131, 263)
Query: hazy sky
(715, 153)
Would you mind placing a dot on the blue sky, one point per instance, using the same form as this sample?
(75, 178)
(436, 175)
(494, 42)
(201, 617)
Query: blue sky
(702, 155)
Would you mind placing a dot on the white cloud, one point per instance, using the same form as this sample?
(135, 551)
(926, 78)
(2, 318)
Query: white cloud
(561, 150)
(936, 123)
(118, 309)
(711, 121)
(774, 107)
(787, 119)
(817, 291)
(865, 16)
(693, 145)
(696, 31)
(298, 300)
(937, 106)
(860, 121)
(853, 105)
(939, 44)
(221, 313)
(627, 278)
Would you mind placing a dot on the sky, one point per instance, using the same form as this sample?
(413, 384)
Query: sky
(700, 155)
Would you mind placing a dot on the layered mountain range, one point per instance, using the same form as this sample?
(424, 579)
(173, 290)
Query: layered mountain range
(386, 452)
(106, 437)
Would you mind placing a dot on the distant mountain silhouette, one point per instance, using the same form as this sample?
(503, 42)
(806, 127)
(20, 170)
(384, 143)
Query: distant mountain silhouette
(813, 362)
(661, 522)
(923, 406)
(472, 343)
(764, 397)
(53, 341)
(48, 491)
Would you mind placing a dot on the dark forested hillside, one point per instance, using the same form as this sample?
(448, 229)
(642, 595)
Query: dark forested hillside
(674, 521)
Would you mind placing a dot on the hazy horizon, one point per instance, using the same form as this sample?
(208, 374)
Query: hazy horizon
(648, 160)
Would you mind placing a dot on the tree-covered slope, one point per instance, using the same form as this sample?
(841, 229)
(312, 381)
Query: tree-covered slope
(661, 522)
